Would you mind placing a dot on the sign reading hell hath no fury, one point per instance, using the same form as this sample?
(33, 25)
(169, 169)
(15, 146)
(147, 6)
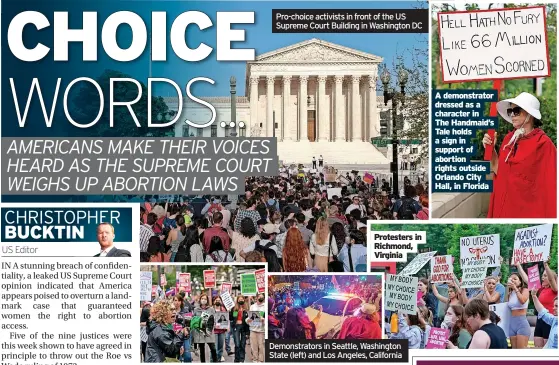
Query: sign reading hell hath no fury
(401, 293)
(532, 244)
(478, 247)
(493, 45)
(442, 269)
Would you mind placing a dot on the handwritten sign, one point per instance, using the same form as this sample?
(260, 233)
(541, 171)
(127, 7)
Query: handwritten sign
(534, 278)
(334, 191)
(146, 289)
(401, 293)
(474, 273)
(226, 287)
(417, 263)
(441, 269)
(493, 45)
(227, 299)
(532, 244)
(163, 280)
(261, 280)
(437, 338)
(209, 279)
(478, 247)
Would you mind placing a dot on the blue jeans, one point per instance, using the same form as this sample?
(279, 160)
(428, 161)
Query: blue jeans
(240, 338)
(228, 340)
(220, 339)
(187, 355)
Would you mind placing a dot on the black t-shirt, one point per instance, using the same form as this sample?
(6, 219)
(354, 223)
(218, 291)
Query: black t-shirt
(496, 335)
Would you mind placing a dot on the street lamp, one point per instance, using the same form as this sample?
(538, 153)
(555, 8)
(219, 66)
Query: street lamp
(390, 94)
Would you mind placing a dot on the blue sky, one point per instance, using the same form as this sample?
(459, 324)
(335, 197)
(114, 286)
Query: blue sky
(258, 36)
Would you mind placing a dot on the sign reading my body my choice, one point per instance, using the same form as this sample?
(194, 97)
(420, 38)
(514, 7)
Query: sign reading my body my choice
(22, 224)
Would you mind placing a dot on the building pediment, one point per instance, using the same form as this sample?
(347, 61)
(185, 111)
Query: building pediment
(316, 50)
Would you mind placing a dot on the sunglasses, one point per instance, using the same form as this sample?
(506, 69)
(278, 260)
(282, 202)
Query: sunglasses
(514, 111)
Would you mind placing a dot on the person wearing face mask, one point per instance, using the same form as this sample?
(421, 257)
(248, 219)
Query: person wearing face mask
(238, 316)
(455, 322)
(219, 333)
(257, 329)
(525, 165)
(203, 338)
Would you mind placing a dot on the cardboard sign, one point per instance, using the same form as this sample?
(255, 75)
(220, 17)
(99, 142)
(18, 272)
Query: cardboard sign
(534, 278)
(184, 282)
(261, 280)
(163, 280)
(334, 191)
(226, 287)
(248, 284)
(401, 293)
(209, 279)
(532, 244)
(442, 269)
(417, 263)
(227, 299)
(474, 274)
(493, 44)
(221, 320)
(368, 178)
(146, 289)
(478, 247)
(437, 338)
(503, 311)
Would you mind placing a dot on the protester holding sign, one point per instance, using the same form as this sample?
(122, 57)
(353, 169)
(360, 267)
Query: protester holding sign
(238, 316)
(546, 296)
(201, 338)
(411, 329)
(429, 299)
(526, 159)
(518, 298)
(257, 329)
(548, 318)
(452, 299)
(219, 333)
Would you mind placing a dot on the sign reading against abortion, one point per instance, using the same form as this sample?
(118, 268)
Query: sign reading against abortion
(478, 247)
(532, 244)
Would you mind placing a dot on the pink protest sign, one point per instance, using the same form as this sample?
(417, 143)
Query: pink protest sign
(534, 278)
(437, 338)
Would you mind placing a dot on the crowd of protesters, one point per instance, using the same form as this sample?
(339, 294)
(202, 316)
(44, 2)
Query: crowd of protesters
(164, 333)
(467, 314)
(296, 313)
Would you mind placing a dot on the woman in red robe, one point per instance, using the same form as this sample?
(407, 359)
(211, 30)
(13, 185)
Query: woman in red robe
(525, 166)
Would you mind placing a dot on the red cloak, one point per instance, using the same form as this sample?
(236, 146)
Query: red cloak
(526, 185)
(358, 328)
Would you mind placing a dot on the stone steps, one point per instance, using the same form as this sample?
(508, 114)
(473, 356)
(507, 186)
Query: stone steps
(332, 152)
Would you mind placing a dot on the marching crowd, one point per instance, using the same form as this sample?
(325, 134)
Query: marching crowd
(468, 317)
(176, 326)
(275, 221)
(288, 317)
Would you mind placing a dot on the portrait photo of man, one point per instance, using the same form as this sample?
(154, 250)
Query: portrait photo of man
(105, 237)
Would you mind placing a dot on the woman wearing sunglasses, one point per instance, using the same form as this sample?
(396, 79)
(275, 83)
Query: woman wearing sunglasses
(525, 164)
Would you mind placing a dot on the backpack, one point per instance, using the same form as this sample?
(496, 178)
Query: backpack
(273, 205)
(271, 258)
(407, 209)
(423, 214)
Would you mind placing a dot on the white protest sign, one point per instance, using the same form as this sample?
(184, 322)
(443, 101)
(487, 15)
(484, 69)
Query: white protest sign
(532, 244)
(417, 263)
(442, 269)
(503, 311)
(334, 191)
(145, 285)
(493, 45)
(478, 247)
(401, 293)
(474, 274)
(392, 246)
(228, 301)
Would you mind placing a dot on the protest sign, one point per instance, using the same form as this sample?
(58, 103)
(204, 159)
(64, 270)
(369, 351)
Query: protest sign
(296, 285)
(334, 191)
(401, 293)
(184, 282)
(437, 338)
(153, 291)
(227, 299)
(534, 278)
(503, 311)
(474, 273)
(532, 244)
(417, 263)
(146, 289)
(221, 320)
(368, 178)
(226, 287)
(163, 280)
(493, 44)
(209, 279)
(248, 284)
(261, 280)
(441, 269)
(254, 319)
(478, 247)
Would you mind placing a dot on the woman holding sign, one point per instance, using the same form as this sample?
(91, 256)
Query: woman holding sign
(546, 296)
(518, 297)
(525, 184)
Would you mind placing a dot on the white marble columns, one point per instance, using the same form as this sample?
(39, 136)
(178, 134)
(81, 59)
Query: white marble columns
(355, 109)
(303, 108)
(372, 106)
(287, 132)
(339, 120)
(270, 106)
(323, 127)
(254, 123)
